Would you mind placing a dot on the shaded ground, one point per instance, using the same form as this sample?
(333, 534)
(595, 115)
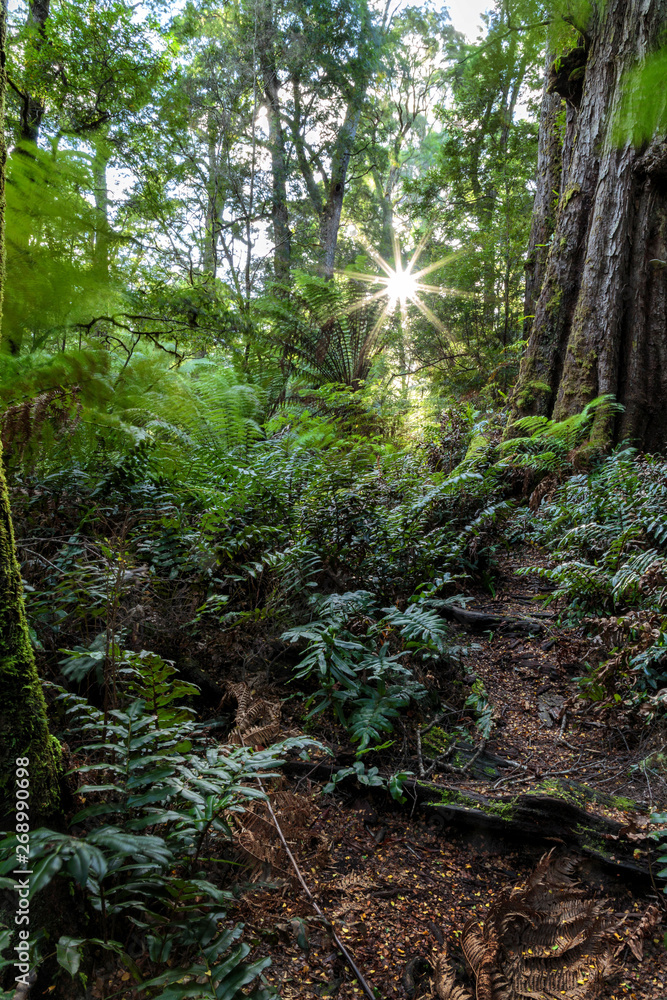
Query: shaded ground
(396, 884)
(418, 886)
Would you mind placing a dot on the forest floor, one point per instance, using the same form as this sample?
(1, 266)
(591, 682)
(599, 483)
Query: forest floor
(398, 882)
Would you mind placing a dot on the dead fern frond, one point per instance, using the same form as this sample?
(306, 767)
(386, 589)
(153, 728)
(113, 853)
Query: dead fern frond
(445, 980)
(547, 939)
(23, 423)
(257, 720)
(347, 882)
(635, 938)
(258, 841)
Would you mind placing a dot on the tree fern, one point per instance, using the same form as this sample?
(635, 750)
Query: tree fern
(325, 333)
(199, 407)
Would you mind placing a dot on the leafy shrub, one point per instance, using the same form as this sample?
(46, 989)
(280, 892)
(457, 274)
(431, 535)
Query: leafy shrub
(160, 797)
(349, 656)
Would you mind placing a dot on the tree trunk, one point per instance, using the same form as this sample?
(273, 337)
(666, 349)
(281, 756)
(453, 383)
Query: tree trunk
(282, 238)
(23, 726)
(549, 172)
(210, 249)
(101, 247)
(32, 110)
(601, 316)
(331, 213)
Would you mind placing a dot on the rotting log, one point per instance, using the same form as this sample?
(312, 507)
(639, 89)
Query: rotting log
(531, 817)
(483, 621)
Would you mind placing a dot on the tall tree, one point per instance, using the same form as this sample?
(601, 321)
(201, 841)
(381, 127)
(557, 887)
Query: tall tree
(549, 173)
(601, 315)
(476, 194)
(316, 65)
(398, 130)
(31, 94)
(24, 731)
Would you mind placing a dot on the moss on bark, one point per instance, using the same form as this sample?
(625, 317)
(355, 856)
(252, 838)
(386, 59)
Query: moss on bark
(24, 729)
(600, 313)
(23, 724)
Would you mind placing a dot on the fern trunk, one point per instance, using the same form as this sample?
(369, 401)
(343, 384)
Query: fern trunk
(24, 729)
(601, 314)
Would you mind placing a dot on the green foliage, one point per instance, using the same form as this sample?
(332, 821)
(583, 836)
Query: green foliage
(53, 281)
(158, 794)
(144, 416)
(608, 524)
(326, 334)
(349, 656)
(474, 192)
(478, 701)
(544, 445)
(660, 835)
(370, 778)
(643, 112)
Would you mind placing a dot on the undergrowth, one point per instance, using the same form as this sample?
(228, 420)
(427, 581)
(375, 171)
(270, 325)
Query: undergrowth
(156, 795)
(606, 531)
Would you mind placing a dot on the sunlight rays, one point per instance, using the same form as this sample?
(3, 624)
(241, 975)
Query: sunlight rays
(399, 285)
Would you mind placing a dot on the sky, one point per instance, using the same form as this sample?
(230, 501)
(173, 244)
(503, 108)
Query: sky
(465, 15)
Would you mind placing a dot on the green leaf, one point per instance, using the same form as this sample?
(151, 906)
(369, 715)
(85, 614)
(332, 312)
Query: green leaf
(84, 858)
(68, 953)
(44, 871)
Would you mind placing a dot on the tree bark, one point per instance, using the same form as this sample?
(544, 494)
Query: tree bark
(33, 107)
(101, 247)
(549, 172)
(601, 315)
(24, 729)
(282, 238)
(333, 207)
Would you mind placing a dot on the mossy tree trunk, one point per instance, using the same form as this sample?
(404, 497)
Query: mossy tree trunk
(600, 323)
(549, 172)
(23, 725)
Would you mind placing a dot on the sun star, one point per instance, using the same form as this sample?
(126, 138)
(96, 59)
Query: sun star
(399, 285)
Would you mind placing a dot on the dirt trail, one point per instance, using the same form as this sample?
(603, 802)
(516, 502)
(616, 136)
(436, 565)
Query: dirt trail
(397, 883)
(541, 720)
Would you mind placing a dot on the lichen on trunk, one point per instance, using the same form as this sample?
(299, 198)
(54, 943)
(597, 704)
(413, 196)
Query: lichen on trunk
(23, 725)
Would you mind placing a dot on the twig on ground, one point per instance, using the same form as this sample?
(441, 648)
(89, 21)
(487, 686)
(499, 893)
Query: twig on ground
(313, 902)
(438, 719)
(622, 735)
(440, 761)
(404, 749)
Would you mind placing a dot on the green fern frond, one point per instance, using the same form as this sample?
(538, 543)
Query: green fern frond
(322, 333)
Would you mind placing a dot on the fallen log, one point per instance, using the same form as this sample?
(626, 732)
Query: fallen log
(535, 816)
(532, 817)
(484, 621)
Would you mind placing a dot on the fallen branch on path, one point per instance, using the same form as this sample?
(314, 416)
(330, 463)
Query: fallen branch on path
(483, 621)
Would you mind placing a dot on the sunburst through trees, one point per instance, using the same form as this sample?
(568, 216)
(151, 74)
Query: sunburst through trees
(400, 286)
